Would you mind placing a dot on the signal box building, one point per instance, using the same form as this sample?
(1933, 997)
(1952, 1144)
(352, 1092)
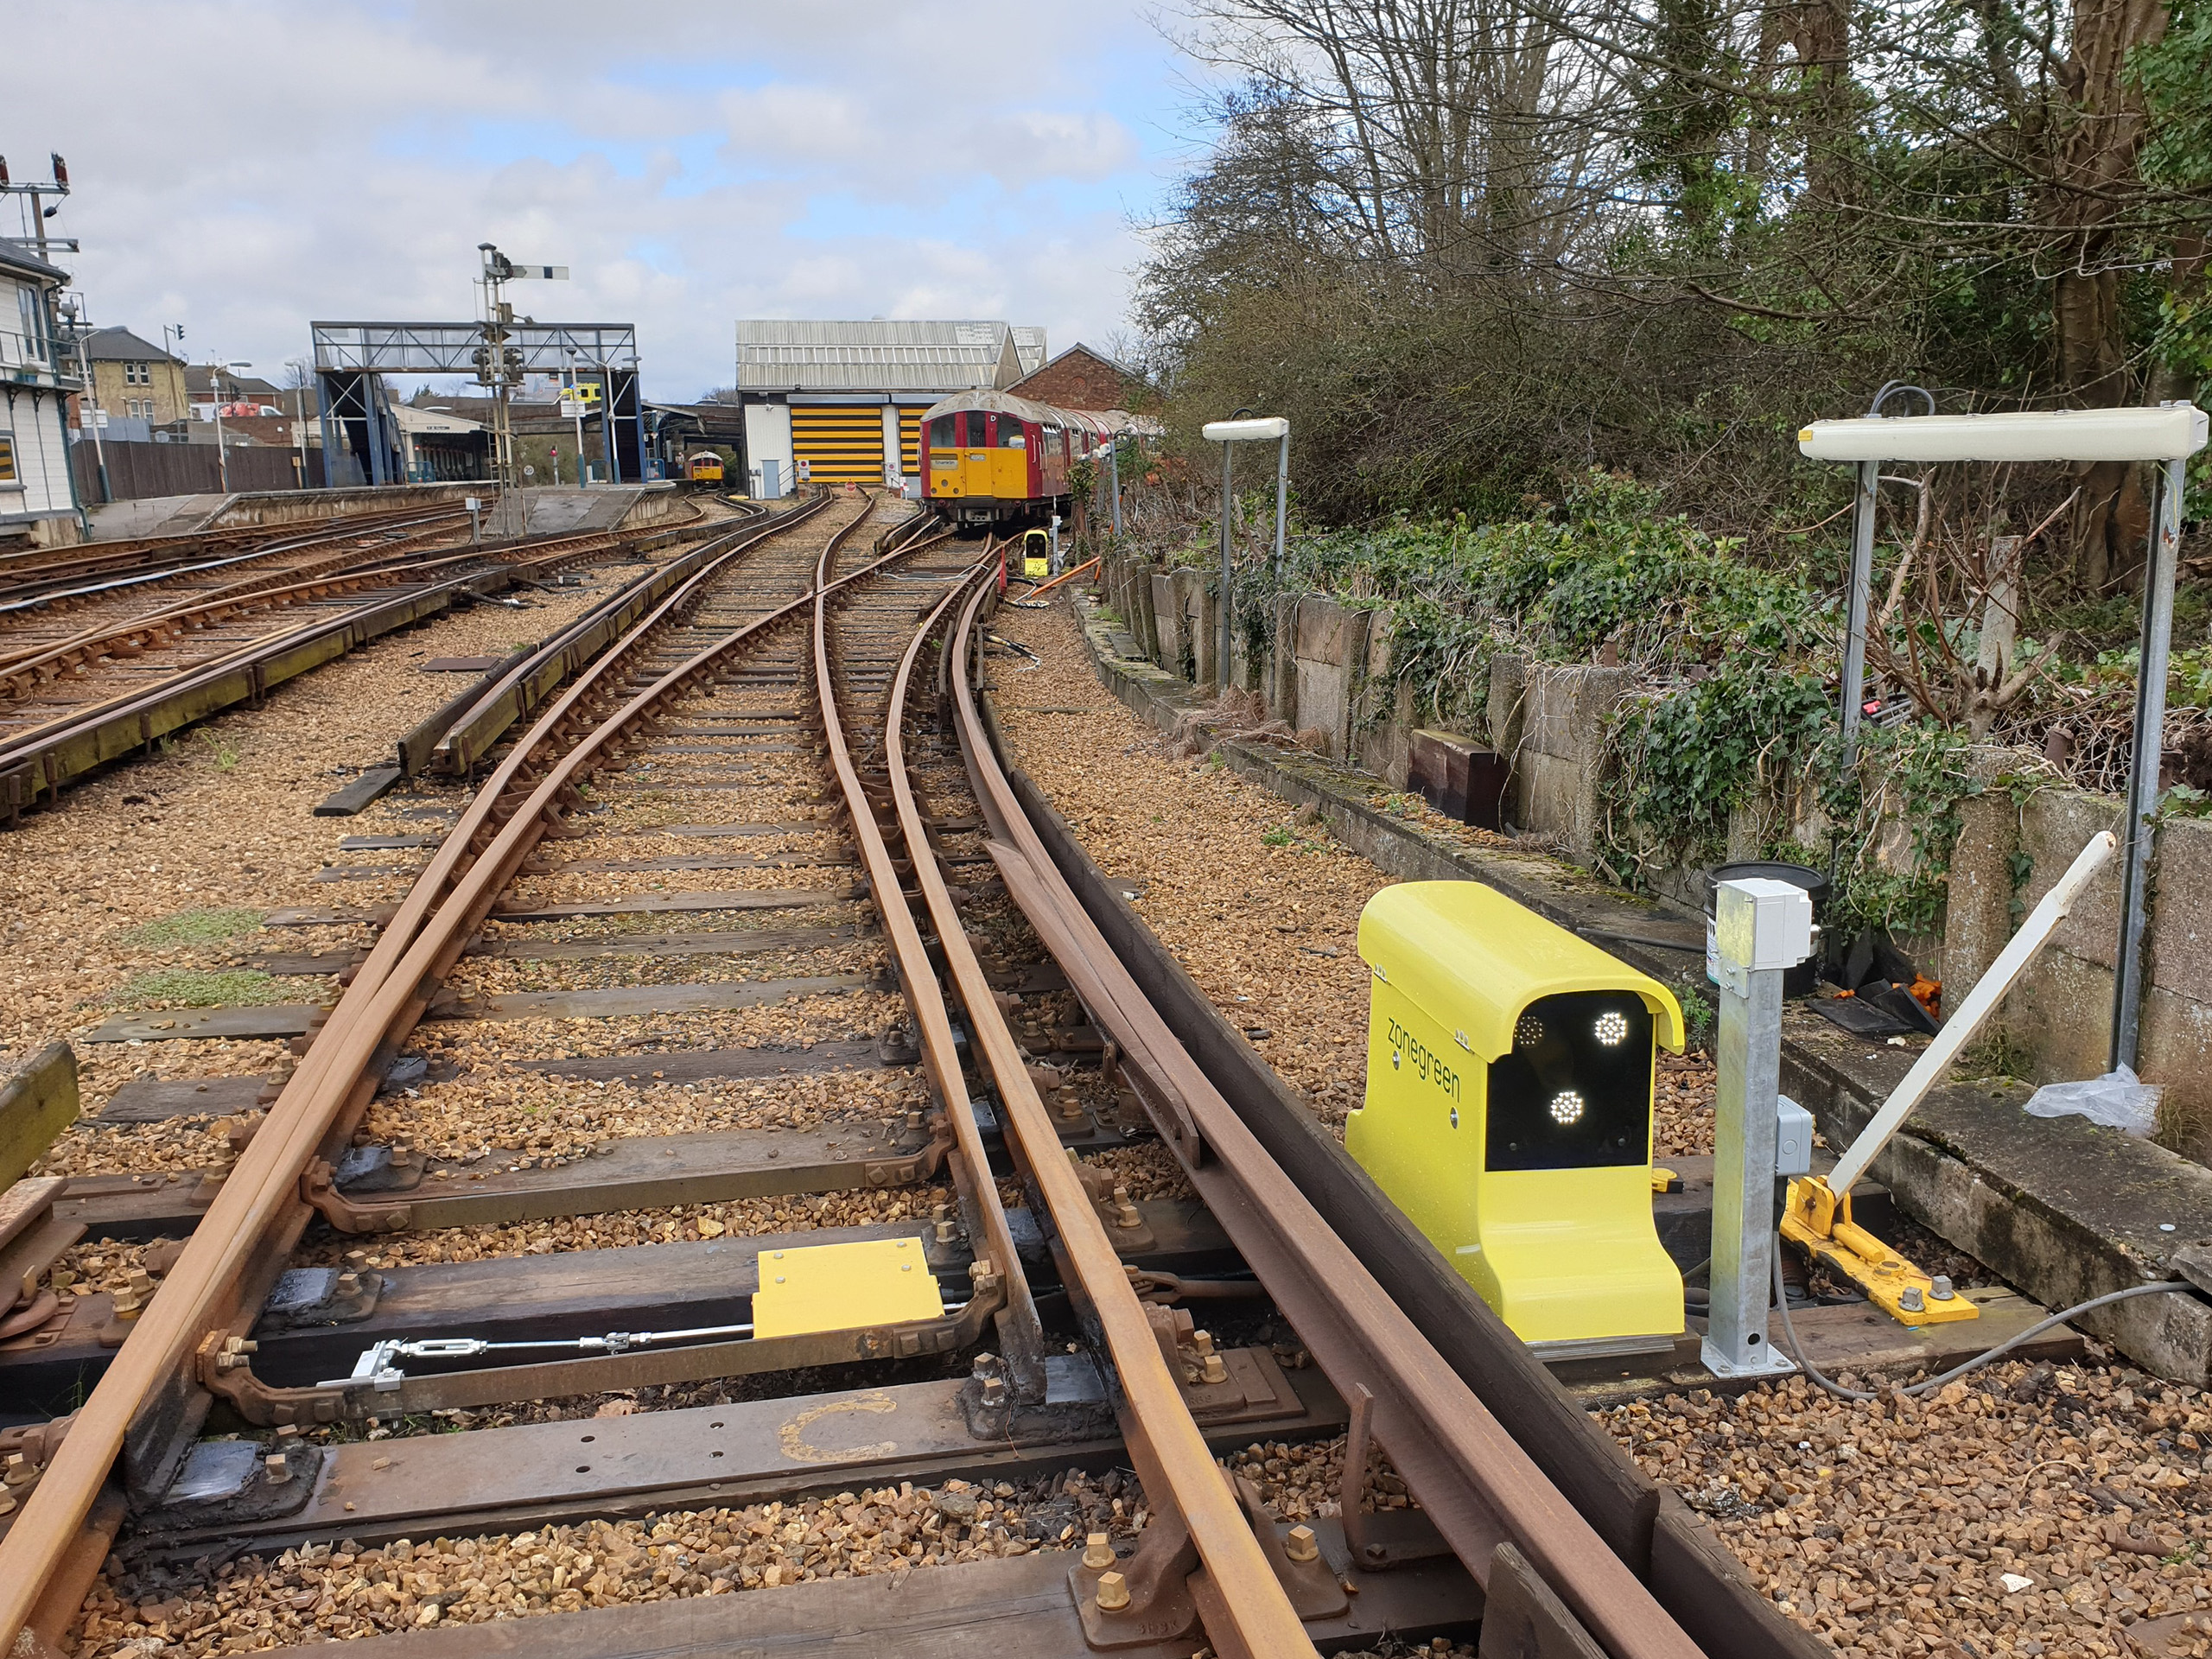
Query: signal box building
(841, 403)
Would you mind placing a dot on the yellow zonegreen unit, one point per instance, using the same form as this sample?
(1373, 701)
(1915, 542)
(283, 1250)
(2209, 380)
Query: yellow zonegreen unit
(844, 1287)
(1509, 1110)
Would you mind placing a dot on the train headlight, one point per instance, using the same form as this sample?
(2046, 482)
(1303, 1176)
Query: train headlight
(1509, 1110)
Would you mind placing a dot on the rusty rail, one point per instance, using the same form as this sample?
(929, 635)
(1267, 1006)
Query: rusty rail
(1478, 1486)
(225, 1265)
(1250, 1615)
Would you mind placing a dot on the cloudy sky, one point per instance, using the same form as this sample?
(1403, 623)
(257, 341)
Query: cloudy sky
(244, 166)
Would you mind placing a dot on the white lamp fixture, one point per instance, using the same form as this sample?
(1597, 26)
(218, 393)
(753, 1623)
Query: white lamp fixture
(1254, 431)
(2167, 432)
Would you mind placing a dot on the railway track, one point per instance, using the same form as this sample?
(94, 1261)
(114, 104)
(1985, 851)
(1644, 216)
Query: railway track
(910, 1003)
(86, 573)
(76, 694)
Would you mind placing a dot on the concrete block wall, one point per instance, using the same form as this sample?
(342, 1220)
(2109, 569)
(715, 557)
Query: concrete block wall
(1561, 755)
(2058, 1017)
(1329, 669)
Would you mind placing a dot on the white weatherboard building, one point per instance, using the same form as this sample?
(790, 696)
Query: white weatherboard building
(38, 496)
(845, 398)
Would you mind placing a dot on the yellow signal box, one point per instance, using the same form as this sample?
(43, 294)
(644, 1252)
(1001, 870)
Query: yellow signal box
(1509, 1110)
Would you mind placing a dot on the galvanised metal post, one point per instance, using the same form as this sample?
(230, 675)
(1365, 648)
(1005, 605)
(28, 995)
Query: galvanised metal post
(1282, 495)
(1227, 505)
(1114, 465)
(1862, 577)
(2143, 775)
(1755, 924)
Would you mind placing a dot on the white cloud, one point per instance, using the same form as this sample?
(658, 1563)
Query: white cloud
(245, 166)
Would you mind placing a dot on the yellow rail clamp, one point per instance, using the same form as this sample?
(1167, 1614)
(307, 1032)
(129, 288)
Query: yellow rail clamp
(1665, 1180)
(844, 1287)
(1819, 1222)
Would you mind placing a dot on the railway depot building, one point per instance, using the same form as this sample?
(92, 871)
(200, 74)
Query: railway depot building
(841, 403)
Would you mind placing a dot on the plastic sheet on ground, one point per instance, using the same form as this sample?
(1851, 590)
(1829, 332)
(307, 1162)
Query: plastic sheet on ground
(2119, 1100)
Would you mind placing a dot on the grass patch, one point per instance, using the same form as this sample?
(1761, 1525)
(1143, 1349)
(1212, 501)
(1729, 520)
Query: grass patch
(196, 987)
(194, 927)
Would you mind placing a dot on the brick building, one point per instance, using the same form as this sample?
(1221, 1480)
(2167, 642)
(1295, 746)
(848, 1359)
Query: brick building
(1082, 379)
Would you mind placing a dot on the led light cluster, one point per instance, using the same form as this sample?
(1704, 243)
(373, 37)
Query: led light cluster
(1566, 1108)
(1527, 1031)
(1612, 1028)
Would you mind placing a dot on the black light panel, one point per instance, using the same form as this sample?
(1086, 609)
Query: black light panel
(1575, 1091)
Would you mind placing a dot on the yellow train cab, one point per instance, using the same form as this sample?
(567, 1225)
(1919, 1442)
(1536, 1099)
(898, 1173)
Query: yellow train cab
(706, 467)
(988, 457)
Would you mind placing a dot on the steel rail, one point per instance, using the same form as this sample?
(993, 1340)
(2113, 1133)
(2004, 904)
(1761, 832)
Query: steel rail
(334, 1081)
(36, 748)
(1253, 1615)
(92, 558)
(45, 659)
(1477, 1484)
(421, 524)
(1021, 1331)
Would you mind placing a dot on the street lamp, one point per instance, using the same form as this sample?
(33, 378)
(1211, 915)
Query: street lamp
(1226, 433)
(215, 390)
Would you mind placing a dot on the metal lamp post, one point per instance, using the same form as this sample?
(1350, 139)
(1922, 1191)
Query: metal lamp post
(2170, 433)
(215, 390)
(1226, 433)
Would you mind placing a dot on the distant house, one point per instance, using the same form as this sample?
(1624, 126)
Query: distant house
(133, 379)
(1082, 379)
(38, 496)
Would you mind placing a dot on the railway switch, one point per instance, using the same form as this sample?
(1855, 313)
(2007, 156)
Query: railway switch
(1508, 1111)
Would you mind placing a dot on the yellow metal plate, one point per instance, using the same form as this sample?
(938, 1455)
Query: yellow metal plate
(844, 1287)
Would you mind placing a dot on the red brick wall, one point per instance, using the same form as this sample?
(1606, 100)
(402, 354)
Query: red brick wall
(1078, 380)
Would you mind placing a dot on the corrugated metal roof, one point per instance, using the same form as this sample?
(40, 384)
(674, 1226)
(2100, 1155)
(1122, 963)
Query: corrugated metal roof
(776, 354)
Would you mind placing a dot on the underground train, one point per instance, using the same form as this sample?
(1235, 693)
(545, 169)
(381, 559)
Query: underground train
(991, 459)
(705, 467)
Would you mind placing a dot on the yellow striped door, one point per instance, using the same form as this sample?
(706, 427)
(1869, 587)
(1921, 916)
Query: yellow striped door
(844, 442)
(910, 441)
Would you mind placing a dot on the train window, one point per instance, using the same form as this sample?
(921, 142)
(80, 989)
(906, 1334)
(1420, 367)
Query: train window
(942, 432)
(977, 437)
(1010, 433)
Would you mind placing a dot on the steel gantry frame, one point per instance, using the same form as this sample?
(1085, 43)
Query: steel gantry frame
(351, 359)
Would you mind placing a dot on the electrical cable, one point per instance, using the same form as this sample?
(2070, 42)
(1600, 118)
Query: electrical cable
(1789, 1331)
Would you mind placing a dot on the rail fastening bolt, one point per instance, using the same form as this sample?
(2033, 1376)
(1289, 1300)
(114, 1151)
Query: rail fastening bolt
(1941, 1290)
(279, 1469)
(1113, 1592)
(1301, 1545)
(1911, 1300)
(1215, 1371)
(1125, 1213)
(20, 1472)
(1098, 1552)
(349, 1284)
